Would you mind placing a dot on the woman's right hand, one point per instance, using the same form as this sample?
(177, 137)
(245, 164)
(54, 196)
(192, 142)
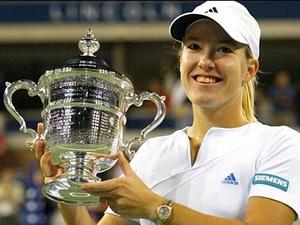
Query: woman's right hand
(49, 170)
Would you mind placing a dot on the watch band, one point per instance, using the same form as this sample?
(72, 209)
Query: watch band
(168, 202)
(164, 212)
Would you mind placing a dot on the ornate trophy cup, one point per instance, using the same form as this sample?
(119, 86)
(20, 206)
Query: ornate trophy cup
(84, 106)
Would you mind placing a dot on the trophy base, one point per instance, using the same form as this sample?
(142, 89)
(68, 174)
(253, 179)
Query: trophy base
(79, 168)
(65, 191)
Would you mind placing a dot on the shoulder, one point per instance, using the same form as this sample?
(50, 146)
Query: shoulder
(268, 142)
(280, 143)
(272, 134)
(282, 133)
(280, 138)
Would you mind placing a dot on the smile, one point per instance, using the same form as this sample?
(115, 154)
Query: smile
(207, 79)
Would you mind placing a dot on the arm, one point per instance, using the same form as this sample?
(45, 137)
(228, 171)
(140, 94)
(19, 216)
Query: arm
(123, 198)
(261, 211)
(109, 219)
(75, 215)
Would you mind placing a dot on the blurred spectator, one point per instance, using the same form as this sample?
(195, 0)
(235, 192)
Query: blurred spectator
(283, 96)
(168, 78)
(2, 88)
(2, 117)
(263, 106)
(11, 197)
(298, 104)
(167, 74)
(155, 85)
(37, 210)
(180, 106)
(2, 133)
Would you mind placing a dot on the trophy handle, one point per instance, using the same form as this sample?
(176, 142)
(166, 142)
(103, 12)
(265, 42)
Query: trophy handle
(138, 100)
(33, 90)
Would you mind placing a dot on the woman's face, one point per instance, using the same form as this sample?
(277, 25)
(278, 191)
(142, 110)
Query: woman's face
(213, 67)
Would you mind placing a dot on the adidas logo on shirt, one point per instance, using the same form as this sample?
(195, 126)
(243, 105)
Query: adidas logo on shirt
(230, 179)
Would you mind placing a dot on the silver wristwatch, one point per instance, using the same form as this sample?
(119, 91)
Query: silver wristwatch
(164, 212)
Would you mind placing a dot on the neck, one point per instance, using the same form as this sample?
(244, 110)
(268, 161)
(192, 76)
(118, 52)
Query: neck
(204, 119)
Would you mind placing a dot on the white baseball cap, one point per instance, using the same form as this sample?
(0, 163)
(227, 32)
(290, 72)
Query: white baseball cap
(233, 17)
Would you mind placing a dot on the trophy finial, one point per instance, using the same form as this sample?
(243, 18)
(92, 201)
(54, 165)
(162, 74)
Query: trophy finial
(88, 44)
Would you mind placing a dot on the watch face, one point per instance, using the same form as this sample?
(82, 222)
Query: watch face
(164, 211)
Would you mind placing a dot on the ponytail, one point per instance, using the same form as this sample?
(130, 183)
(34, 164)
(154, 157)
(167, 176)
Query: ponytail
(248, 94)
(248, 98)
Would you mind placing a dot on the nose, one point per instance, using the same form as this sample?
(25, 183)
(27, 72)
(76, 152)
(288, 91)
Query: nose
(206, 61)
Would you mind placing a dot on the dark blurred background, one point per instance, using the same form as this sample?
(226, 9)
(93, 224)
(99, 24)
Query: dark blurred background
(36, 36)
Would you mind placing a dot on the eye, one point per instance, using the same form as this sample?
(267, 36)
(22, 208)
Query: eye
(224, 49)
(193, 46)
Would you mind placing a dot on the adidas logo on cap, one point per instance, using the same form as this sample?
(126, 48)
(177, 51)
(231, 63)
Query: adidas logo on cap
(213, 9)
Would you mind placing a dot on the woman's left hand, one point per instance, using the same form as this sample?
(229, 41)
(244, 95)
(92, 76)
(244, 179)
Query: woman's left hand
(128, 196)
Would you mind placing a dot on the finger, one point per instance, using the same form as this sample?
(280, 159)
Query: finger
(39, 149)
(39, 144)
(49, 170)
(103, 200)
(102, 186)
(40, 128)
(48, 179)
(101, 155)
(104, 195)
(45, 165)
(124, 165)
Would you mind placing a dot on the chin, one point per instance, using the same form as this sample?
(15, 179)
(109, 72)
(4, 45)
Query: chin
(205, 104)
(207, 101)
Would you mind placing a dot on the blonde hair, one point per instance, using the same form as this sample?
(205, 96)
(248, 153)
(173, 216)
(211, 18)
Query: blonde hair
(248, 99)
(248, 94)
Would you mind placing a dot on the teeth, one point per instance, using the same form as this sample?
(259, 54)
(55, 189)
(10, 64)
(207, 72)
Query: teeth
(202, 79)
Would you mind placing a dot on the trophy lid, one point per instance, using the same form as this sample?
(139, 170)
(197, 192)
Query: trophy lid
(97, 66)
(88, 45)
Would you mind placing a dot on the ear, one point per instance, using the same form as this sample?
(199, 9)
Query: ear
(252, 68)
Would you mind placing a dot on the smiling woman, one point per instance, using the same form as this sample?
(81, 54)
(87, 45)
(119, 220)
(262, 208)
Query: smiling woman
(226, 168)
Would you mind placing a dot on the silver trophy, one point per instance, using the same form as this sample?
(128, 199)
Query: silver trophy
(84, 106)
